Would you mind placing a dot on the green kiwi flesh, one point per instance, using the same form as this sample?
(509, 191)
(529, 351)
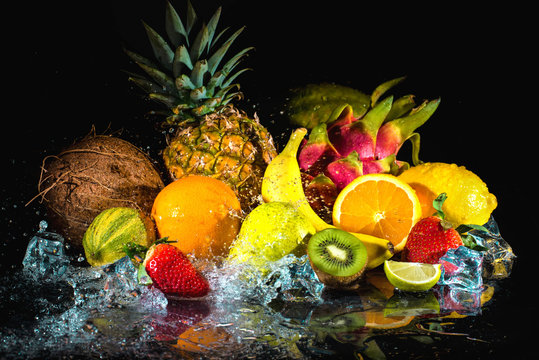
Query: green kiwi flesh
(337, 257)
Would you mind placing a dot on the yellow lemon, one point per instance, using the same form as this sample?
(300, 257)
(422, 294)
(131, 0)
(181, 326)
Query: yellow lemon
(468, 198)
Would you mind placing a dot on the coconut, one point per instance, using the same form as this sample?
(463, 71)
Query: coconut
(94, 174)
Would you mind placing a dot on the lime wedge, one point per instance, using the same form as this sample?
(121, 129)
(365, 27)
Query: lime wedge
(410, 276)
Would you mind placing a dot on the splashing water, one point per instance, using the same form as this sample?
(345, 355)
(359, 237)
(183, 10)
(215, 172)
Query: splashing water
(92, 311)
(59, 308)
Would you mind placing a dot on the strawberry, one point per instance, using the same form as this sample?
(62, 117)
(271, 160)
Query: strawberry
(431, 237)
(168, 269)
(429, 240)
(173, 273)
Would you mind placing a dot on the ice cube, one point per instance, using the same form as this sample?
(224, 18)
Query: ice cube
(499, 256)
(45, 258)
(462, 268)
(153, 299)
(121, 284)
(292, 279)
(289, 278)
(458, 299)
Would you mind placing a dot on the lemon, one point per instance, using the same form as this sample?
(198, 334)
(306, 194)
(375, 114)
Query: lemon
(411, 276)
(468, 198)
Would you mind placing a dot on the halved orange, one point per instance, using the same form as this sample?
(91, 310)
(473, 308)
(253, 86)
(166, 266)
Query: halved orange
(380, 205)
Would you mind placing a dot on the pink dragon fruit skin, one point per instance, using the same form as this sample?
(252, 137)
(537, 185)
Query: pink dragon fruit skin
(318, 151)
(384, 165)
(394, 133)
(345, 170)
(350, 147)
(348, 134)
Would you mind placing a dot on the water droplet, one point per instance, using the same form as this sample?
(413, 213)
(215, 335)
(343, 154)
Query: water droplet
(43, 226)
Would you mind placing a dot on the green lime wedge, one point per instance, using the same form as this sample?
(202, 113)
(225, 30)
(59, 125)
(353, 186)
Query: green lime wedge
(410, 276)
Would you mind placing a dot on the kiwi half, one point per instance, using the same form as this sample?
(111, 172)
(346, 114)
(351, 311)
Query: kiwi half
(337, 257)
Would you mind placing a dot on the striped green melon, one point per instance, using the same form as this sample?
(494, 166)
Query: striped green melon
(106, 236)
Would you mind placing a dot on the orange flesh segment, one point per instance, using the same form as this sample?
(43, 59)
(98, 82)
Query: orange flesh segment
(378, 208)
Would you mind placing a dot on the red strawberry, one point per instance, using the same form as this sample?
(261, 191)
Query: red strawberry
(173, 273)
(429, 240)
(431, 237)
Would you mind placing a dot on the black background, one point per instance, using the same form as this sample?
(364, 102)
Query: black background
(65, 72)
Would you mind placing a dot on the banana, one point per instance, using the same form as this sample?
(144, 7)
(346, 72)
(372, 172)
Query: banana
(282, 182)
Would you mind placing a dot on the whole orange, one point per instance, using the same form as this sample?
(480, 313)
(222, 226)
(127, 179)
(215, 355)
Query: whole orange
(202, 214)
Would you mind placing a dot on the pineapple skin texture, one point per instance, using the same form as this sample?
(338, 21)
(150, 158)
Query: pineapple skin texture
(226, 145)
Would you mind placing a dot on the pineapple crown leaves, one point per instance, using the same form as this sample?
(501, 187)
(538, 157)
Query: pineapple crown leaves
(189, 78)
(462, 230)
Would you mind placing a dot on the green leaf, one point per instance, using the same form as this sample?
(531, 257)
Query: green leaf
(161, 50)
(212, 102)
(382, 88)
(437, 205)
(146, 85)
(198, 94)
(191, 17)
(464, 228)
(197, 76)
(174, 26)
(233, 77)
(469, 242)
(140, 59)
(225, 90)
(181, 58)
(183, 82)
(212, 26)
(216, 39)
(199, 44)
(168, 100)
(135, 251)
(160, 77)
(231, 64)
(215, 82)
(401, 107)
(216, 58)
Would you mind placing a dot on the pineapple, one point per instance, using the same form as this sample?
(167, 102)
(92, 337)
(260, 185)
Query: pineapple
(211, 136)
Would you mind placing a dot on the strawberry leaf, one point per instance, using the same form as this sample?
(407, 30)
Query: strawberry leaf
(464, 228)
(469, 242)
(437, 205)
(135, 252)
(164, 240)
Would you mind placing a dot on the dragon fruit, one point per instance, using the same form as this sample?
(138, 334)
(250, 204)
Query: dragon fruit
(348, 147)
(321, 194)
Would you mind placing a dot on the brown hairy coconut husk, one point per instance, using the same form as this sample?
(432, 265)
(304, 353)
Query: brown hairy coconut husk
(94, 174)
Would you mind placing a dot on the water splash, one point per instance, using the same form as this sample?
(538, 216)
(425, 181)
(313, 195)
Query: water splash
(99, 312)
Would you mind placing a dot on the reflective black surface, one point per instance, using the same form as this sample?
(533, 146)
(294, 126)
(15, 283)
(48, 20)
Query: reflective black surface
(65, 72)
